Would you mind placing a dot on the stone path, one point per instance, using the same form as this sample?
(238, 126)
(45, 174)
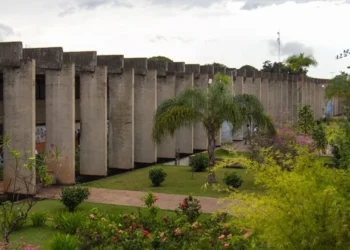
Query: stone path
(132, 198)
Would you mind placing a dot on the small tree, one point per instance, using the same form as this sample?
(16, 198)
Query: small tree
(306, 120)
(319, 136)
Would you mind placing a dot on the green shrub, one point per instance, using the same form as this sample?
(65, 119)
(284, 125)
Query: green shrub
(319, 136)
(38, 218)
(157, 176)
(71, 197)
(69, 222)
(63, 242)
(191, 208)
(233, 180)
(305, 119)
(199, 162)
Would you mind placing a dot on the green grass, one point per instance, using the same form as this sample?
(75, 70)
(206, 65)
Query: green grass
(224, 153)
(178, 181)
(327, 159)
(40, 235)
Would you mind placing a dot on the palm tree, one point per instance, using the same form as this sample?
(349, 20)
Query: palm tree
(300, 63)
(211, 107)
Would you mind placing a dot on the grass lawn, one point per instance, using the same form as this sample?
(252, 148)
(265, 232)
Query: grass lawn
(41, 235)
(178, 181)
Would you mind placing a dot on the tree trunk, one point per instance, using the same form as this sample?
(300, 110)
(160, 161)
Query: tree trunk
(211, 153)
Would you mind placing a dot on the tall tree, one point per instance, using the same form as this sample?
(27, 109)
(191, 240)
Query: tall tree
(300, 63)
(276, 67)
(160, 58)
(211, 108)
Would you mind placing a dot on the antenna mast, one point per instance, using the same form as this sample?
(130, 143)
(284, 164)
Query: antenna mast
(279, 51)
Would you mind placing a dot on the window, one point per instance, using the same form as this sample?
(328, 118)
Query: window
(40, 87)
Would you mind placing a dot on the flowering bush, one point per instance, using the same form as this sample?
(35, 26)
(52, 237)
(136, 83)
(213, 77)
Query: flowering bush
(21, 245)
(191, 208)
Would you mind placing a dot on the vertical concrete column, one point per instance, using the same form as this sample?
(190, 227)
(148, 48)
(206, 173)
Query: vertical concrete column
(60, 121)
(257, 84)
(284, 99)
(239, 88)
(93, 112)
(222, 71)
(272, 96)
(278, 99)
(19, 117)
(120, 112)
(290, 105)
(184, 136)
(264, 96)
(165, 91)
(145, 106)
(201, 79)
(59, 111)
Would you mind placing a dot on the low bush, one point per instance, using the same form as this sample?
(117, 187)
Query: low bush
(233, 180)
(199, 162)
(72, 197)
(63, 241)
(157, 176)
(191, 208)
(38, 218)
(13, 245)
(68, 223)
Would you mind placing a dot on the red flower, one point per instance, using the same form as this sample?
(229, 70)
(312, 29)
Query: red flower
(115, 239)
(156, 198)
(183, 204)
(224, 231)
(164, 218)
(145, 233)
(134, 224)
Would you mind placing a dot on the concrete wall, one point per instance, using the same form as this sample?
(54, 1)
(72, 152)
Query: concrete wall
(60, 122)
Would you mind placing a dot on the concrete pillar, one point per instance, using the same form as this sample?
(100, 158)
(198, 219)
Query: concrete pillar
(19, 116)
(272, 96)
(120, 112)
(284, 99)
(239, 88)
(93, 111)
(165, 91)
(59, 109)
(257, 84)
(264, 97)
(201, 79)
(145, 106)
(290, 94)
(184, 136)
(278, 99)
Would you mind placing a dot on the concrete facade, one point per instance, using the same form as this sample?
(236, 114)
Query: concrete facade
(264, 96)
(284, 99)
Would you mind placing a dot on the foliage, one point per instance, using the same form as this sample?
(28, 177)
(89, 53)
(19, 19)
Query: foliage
(319, 136)
(12, 218)
(191, 208)
(249, 68)
(199, 162)
(306, 120)
(210, 107)
(64, 241)
(300, 63)
(77, 161)
(17, 246)
(71, 197)
(160, 58)
(157, 176)
(68, 222)
(338, 135)
(233, 180)
(307, 208)
(217, 65)
(277, 68)
(38, 218)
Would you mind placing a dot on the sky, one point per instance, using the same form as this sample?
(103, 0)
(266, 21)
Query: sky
(232, 32)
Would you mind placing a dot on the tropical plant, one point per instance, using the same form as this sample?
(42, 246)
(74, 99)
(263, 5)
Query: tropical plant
(300, 63)
(210, 107)
(199, 162)
(71, 197)
(157, 176)
(38, 218)
(233, 180)
(64, 241)
(319, 136)
(306, 120)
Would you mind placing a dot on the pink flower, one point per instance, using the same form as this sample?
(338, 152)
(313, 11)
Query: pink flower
(164, 240)
(103, 219)
(156, 198)
(195, 225)
(177, 231)
(92, 216)
(226, 245)
(134, 224)
(164, 218)
(221, 237)
(145, 233)
(229, 236)
(162, 234)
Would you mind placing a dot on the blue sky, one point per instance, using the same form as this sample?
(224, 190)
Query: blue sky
(194, 31)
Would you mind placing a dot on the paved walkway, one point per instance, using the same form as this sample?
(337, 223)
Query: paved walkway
(132, 198)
